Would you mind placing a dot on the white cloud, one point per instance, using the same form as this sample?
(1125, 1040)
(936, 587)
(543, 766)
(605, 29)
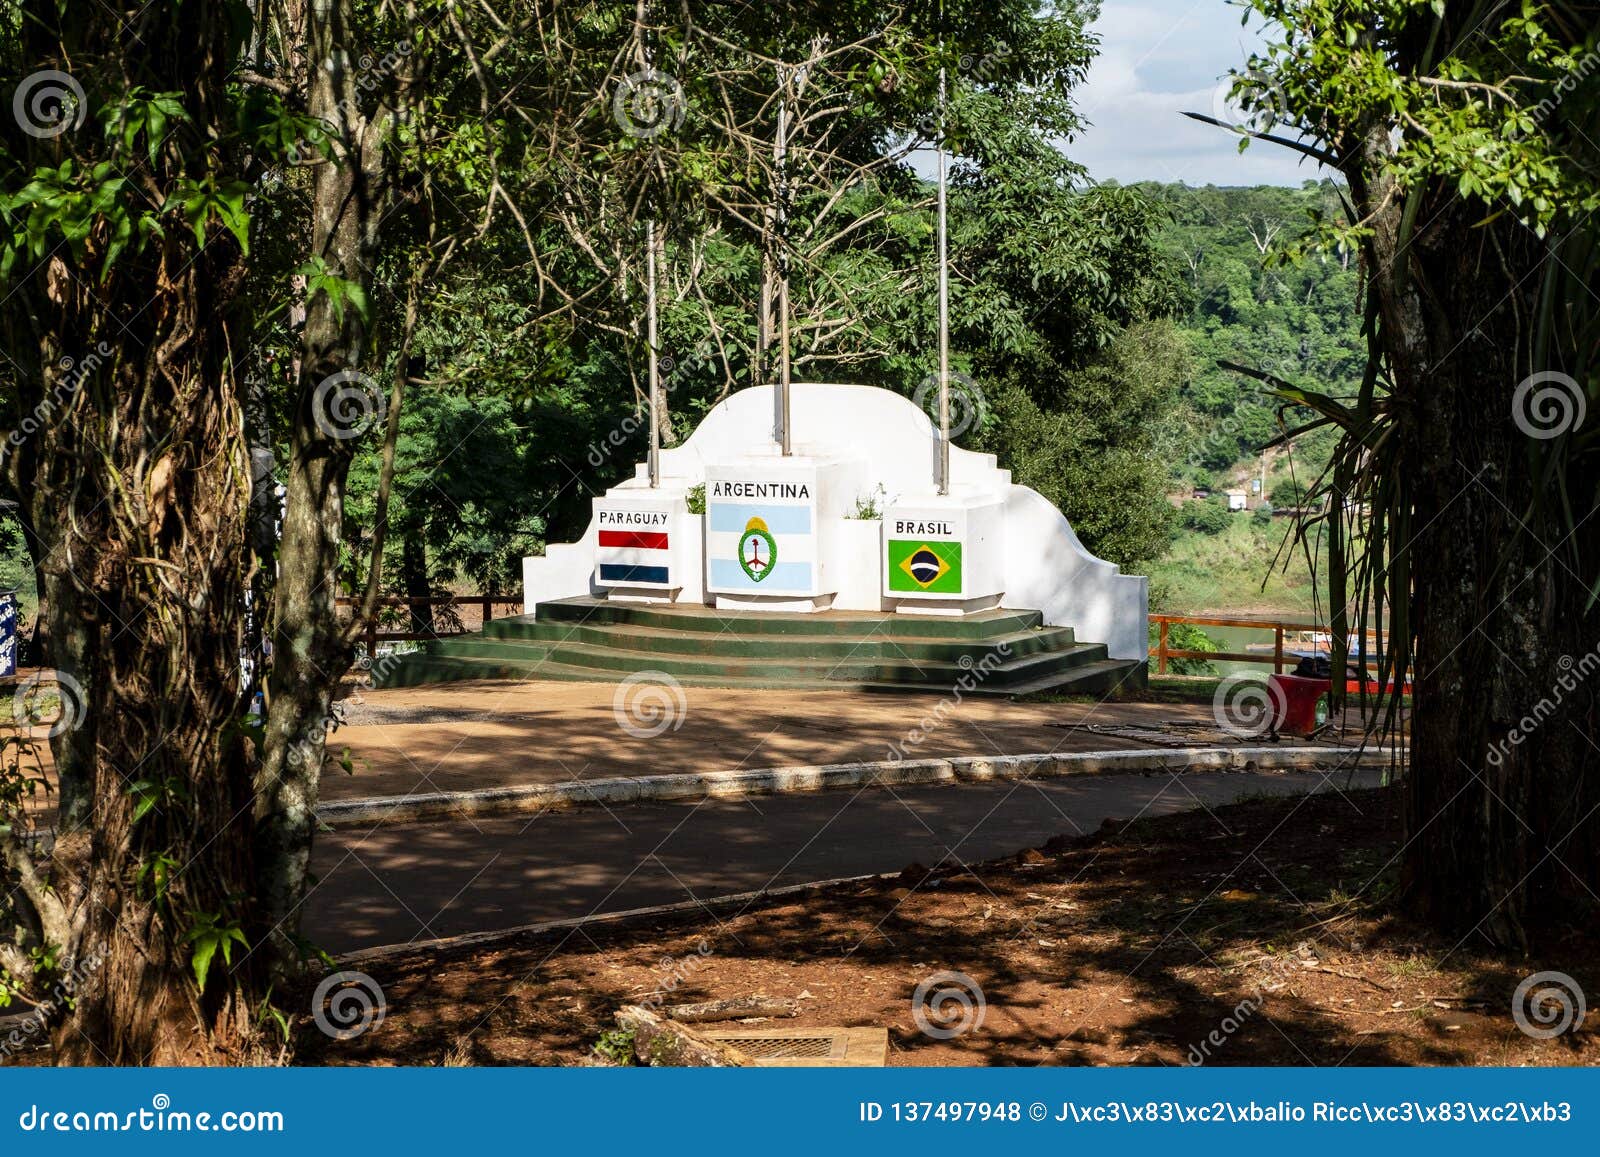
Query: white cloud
(1159, 59)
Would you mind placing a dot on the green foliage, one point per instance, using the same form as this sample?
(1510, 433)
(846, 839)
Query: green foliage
(1287, 493)
(44, 961)
(16, 565)
(152, 162)
(616, 1046)
(144, 114)
(269, 1012)
(1186, 637)
(697, 498)
(468, 473)
(1487, 100)
(869, 506)
(67, 204)
(1206, 515)
(1245, 568)
(1253, 297)
(341, 291)
(155, 876)
(151, 794)
(1097, 444)
(208, 934)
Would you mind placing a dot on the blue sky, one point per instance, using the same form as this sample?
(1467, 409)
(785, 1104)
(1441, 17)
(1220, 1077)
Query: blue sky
(1157, 59)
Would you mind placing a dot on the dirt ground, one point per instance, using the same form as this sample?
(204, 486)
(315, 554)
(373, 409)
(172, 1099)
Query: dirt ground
(1259, 933)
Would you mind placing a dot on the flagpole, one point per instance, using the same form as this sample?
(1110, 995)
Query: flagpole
(653, 369)
(650, 341)
(780, 156)
(943, 478)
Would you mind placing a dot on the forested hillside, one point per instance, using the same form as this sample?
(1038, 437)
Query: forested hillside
(1256, 300)
(1257, 295)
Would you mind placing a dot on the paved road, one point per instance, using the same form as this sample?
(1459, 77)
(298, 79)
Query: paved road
(396, 884)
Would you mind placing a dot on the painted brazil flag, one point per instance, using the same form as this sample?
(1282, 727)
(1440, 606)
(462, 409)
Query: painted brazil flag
(919, 565)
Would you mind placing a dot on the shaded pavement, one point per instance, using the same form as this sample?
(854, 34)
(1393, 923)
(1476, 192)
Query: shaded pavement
(396, 884)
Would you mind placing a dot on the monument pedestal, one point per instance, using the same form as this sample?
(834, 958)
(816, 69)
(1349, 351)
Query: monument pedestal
(988, 542)
(768, 544)
(649, 546)
(944, 554)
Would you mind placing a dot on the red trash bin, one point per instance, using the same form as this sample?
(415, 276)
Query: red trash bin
(1295, 697)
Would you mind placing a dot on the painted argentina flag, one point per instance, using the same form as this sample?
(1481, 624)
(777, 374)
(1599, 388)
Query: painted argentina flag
(761, 536)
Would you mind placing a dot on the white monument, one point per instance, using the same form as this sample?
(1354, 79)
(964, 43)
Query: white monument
(776, 533)
(786, 470)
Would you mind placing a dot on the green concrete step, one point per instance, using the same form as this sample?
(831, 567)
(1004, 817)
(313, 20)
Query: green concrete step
(592, 640)
(745, 644)
(1096, 677)
(1100, 677)
(698, 618)
(621, 661)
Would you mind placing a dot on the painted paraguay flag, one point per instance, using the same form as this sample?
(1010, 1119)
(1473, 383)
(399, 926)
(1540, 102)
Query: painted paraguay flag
(634, 548)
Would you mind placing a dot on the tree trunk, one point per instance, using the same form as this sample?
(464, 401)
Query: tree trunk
(414, 574)
(1501, 793)
(146, 606)
(337, 404)
(138, 486)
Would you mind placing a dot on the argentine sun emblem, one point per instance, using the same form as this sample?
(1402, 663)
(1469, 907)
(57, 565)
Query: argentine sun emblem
(758, 550)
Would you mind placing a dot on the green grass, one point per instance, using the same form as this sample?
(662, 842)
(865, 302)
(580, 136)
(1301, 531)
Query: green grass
(1185, 688)
(1224, 573)
(1162, 689)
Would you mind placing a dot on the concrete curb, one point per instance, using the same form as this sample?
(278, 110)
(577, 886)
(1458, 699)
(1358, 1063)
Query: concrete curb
(622, 790)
